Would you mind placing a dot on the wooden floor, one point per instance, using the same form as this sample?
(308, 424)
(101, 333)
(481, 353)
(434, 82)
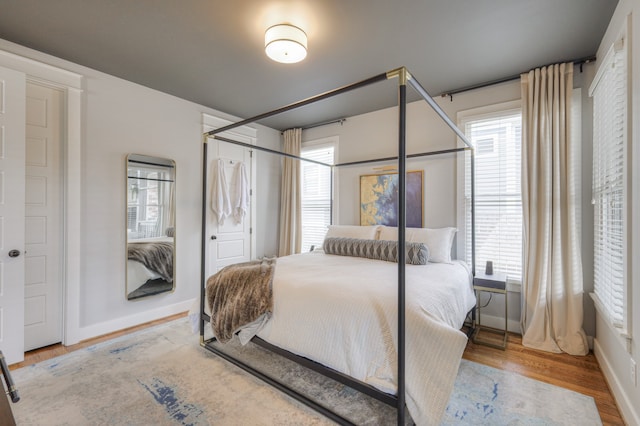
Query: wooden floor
(578, 373)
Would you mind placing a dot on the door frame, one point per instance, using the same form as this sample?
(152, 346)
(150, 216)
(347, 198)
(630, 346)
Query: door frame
(71, 85)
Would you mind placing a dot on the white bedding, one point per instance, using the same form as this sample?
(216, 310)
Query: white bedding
(323, 307)
(138, 275)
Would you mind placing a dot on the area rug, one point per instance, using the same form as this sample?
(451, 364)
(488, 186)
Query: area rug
(161, 376)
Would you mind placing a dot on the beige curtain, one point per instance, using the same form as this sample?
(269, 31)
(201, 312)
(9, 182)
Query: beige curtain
(290, 193)
(552, 274)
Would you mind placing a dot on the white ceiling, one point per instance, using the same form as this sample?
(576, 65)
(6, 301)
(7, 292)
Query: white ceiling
(212, 52)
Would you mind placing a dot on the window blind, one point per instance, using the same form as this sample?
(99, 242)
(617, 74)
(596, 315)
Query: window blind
(497, 139)
(609, 197)
(316, 194)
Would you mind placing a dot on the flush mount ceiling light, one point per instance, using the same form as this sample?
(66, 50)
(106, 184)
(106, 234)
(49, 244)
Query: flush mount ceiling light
(285, 43)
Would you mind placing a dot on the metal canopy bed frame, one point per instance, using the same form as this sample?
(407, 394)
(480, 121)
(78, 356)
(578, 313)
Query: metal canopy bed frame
(398, 400)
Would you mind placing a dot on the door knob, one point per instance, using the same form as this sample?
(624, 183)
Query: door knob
(213, 237)
(14, 253)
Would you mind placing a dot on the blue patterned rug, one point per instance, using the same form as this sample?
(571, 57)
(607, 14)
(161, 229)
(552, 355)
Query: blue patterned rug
(161, 376)
(486, 396)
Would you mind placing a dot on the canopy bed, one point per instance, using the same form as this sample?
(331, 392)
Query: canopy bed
(309, 321)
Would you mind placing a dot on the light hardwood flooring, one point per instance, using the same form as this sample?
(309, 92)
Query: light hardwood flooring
(578, 373)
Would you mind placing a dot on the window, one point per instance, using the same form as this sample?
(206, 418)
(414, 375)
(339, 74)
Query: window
(609, 92)
(148, 202)
(316, 192)
(496, 135)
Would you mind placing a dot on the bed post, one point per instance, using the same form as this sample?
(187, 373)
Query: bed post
(333, 170)
(473, 215)
(402, 75)
(203, 243)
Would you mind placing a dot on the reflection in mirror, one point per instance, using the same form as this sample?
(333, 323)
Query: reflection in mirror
(150, 226)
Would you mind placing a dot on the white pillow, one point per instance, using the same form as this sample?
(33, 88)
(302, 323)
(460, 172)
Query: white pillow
(389, 233)
(353, 231)
(438, 240)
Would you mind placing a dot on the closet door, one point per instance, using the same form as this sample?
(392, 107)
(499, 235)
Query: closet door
(12, 209)
(43, 217)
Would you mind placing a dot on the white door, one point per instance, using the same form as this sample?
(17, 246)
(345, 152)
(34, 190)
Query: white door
(230, 241)
(12, 157)
(43, 218)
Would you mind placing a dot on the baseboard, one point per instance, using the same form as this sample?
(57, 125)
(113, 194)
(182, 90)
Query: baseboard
(118, 324)
(627, 409)
(498, 322)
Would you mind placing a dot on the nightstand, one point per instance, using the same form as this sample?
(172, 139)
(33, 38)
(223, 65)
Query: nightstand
(495, 283)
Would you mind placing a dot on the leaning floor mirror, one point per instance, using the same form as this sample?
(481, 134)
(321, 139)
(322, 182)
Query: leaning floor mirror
(150, 219)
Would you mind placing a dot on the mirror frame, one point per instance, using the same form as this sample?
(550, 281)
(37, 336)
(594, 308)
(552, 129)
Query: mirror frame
(154, 247)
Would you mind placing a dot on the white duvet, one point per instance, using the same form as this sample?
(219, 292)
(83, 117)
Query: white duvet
(342, 312)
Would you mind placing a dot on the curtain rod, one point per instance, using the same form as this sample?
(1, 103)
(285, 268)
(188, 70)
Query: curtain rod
(450, 93)
(324, 123)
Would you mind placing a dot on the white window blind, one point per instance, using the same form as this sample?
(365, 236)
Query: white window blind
(609, 92)
(316, 194)
(498, 206)
(147, 202)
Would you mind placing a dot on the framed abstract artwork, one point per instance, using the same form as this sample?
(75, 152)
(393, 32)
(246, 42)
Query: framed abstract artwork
(379, 199)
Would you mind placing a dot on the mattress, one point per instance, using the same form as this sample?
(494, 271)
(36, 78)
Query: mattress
(342, 312)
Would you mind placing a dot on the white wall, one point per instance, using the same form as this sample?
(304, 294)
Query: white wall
(614, 353)
(120, 117)
(374, 135)
(268, 194)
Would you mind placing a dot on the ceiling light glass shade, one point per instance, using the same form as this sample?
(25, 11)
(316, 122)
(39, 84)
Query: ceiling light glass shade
(285, 43)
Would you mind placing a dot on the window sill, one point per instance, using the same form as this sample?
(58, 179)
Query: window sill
(623, 334)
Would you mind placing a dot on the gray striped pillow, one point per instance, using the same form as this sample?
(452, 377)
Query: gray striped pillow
(416, 253)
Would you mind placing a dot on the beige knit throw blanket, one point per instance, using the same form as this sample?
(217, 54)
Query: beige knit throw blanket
(238, 295)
